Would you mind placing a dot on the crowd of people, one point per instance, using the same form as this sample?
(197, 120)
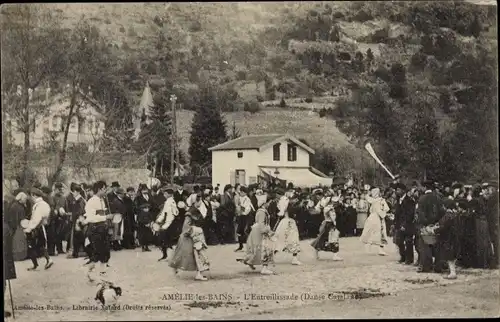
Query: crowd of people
(444, 224)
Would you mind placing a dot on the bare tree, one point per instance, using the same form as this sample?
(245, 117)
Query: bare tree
(33, 44)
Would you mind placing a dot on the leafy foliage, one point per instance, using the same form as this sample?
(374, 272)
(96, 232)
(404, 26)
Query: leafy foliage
(208, 129)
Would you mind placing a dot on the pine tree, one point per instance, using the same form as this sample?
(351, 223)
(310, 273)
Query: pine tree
(208, 129)
(156, 136)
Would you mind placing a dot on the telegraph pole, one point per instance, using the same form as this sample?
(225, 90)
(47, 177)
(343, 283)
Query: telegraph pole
(177, 145)
(173, 98)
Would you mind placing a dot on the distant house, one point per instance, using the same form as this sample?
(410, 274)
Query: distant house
(264, 158)
(86, 127)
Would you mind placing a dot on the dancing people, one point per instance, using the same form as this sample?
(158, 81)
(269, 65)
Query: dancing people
(36, 231)
(374, 232)
(328, 236)
(259, 245)
(190, 252)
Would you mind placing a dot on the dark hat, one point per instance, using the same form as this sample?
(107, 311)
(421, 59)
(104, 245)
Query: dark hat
(115, 184)
(227, 187)
(130, 189)
(244, 189)
(58, 185)
(400, 186)
(46, 190)
(429, 184)
(144, 205)
(143, 186)
(37, 192)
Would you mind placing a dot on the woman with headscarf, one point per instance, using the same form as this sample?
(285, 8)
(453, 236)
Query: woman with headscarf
(259, 245)
(287, 233)
(328, 236)
(374, 232)
(190, 253)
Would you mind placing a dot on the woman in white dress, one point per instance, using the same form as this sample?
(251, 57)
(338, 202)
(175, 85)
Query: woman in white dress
(374, 232)
(287, 233)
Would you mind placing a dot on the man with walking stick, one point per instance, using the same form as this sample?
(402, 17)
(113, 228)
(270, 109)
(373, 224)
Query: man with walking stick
(13, 214)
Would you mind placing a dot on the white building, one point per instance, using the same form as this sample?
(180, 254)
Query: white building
(255, 158)
(86, 127)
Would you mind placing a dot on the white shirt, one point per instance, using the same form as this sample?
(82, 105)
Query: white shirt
(168, 213)
(94, 204)
(40, 214)
(283, 205)
(246, 205)
(203, 209)
(191, 200)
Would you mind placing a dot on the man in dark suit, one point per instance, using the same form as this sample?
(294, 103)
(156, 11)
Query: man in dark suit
(118, 206)
(14, 212)
(403, 222)
(225, 215)
(430, 209)
(114, 188)
(492, 216)
(129, 222)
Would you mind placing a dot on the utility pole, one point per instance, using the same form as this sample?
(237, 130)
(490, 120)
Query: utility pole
(177, 145)
(173, 98)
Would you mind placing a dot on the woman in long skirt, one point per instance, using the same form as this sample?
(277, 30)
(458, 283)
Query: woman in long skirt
(448, 235)
(260, 246)
(328, 237)
(287, 233)
(190, 253)
(362, 208)
(374, 232)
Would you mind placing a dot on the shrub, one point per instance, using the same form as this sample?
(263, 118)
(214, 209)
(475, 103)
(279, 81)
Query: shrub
(322, 112)
(260, 98)
(241, 75)
(252, 107)
(282, 103)
(122, 29)
(195, 26)
(309, 99)
(107, 21)
(132, 32)
(158, 21)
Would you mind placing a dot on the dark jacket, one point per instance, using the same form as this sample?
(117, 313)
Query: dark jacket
(140, 200)
(118, 206)
(226, 208)
(129, 223)
(430, 209)
(404, 215)
(11, 219)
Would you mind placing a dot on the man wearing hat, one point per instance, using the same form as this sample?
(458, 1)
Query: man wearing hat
(13, 214)
(117, 207)
(35, 230)
(114, 188)
(169, 225)
(59, 225)
(430, 209)
(491, 198)
(244, 217)
(403, 222)
(75, 207)
(225, 215)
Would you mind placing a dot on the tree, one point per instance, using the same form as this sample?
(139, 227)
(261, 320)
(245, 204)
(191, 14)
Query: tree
(234, 132)
(208, 129)
(425, 140)
(33, 45)
(155, 137)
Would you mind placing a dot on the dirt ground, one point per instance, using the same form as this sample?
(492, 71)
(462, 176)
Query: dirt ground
(479, 299)
(151, 291)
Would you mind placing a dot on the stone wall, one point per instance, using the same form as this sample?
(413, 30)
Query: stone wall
(125, 176)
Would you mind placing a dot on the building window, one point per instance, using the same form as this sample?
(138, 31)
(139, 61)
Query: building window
(276, 152)
(55, 123)
(74, 123)
(240, 177)
(90, 124)
(292, 152)
(81, 126)
(240, 155)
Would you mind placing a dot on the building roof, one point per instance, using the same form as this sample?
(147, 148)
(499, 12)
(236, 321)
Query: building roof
(257, 142)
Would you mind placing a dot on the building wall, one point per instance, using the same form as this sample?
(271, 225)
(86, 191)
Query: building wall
(86, 129)
(266, 157)
(225, 164)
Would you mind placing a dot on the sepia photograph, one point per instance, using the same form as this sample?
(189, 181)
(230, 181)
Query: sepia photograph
(250, 160)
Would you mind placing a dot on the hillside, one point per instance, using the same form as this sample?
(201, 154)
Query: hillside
(321, 132)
